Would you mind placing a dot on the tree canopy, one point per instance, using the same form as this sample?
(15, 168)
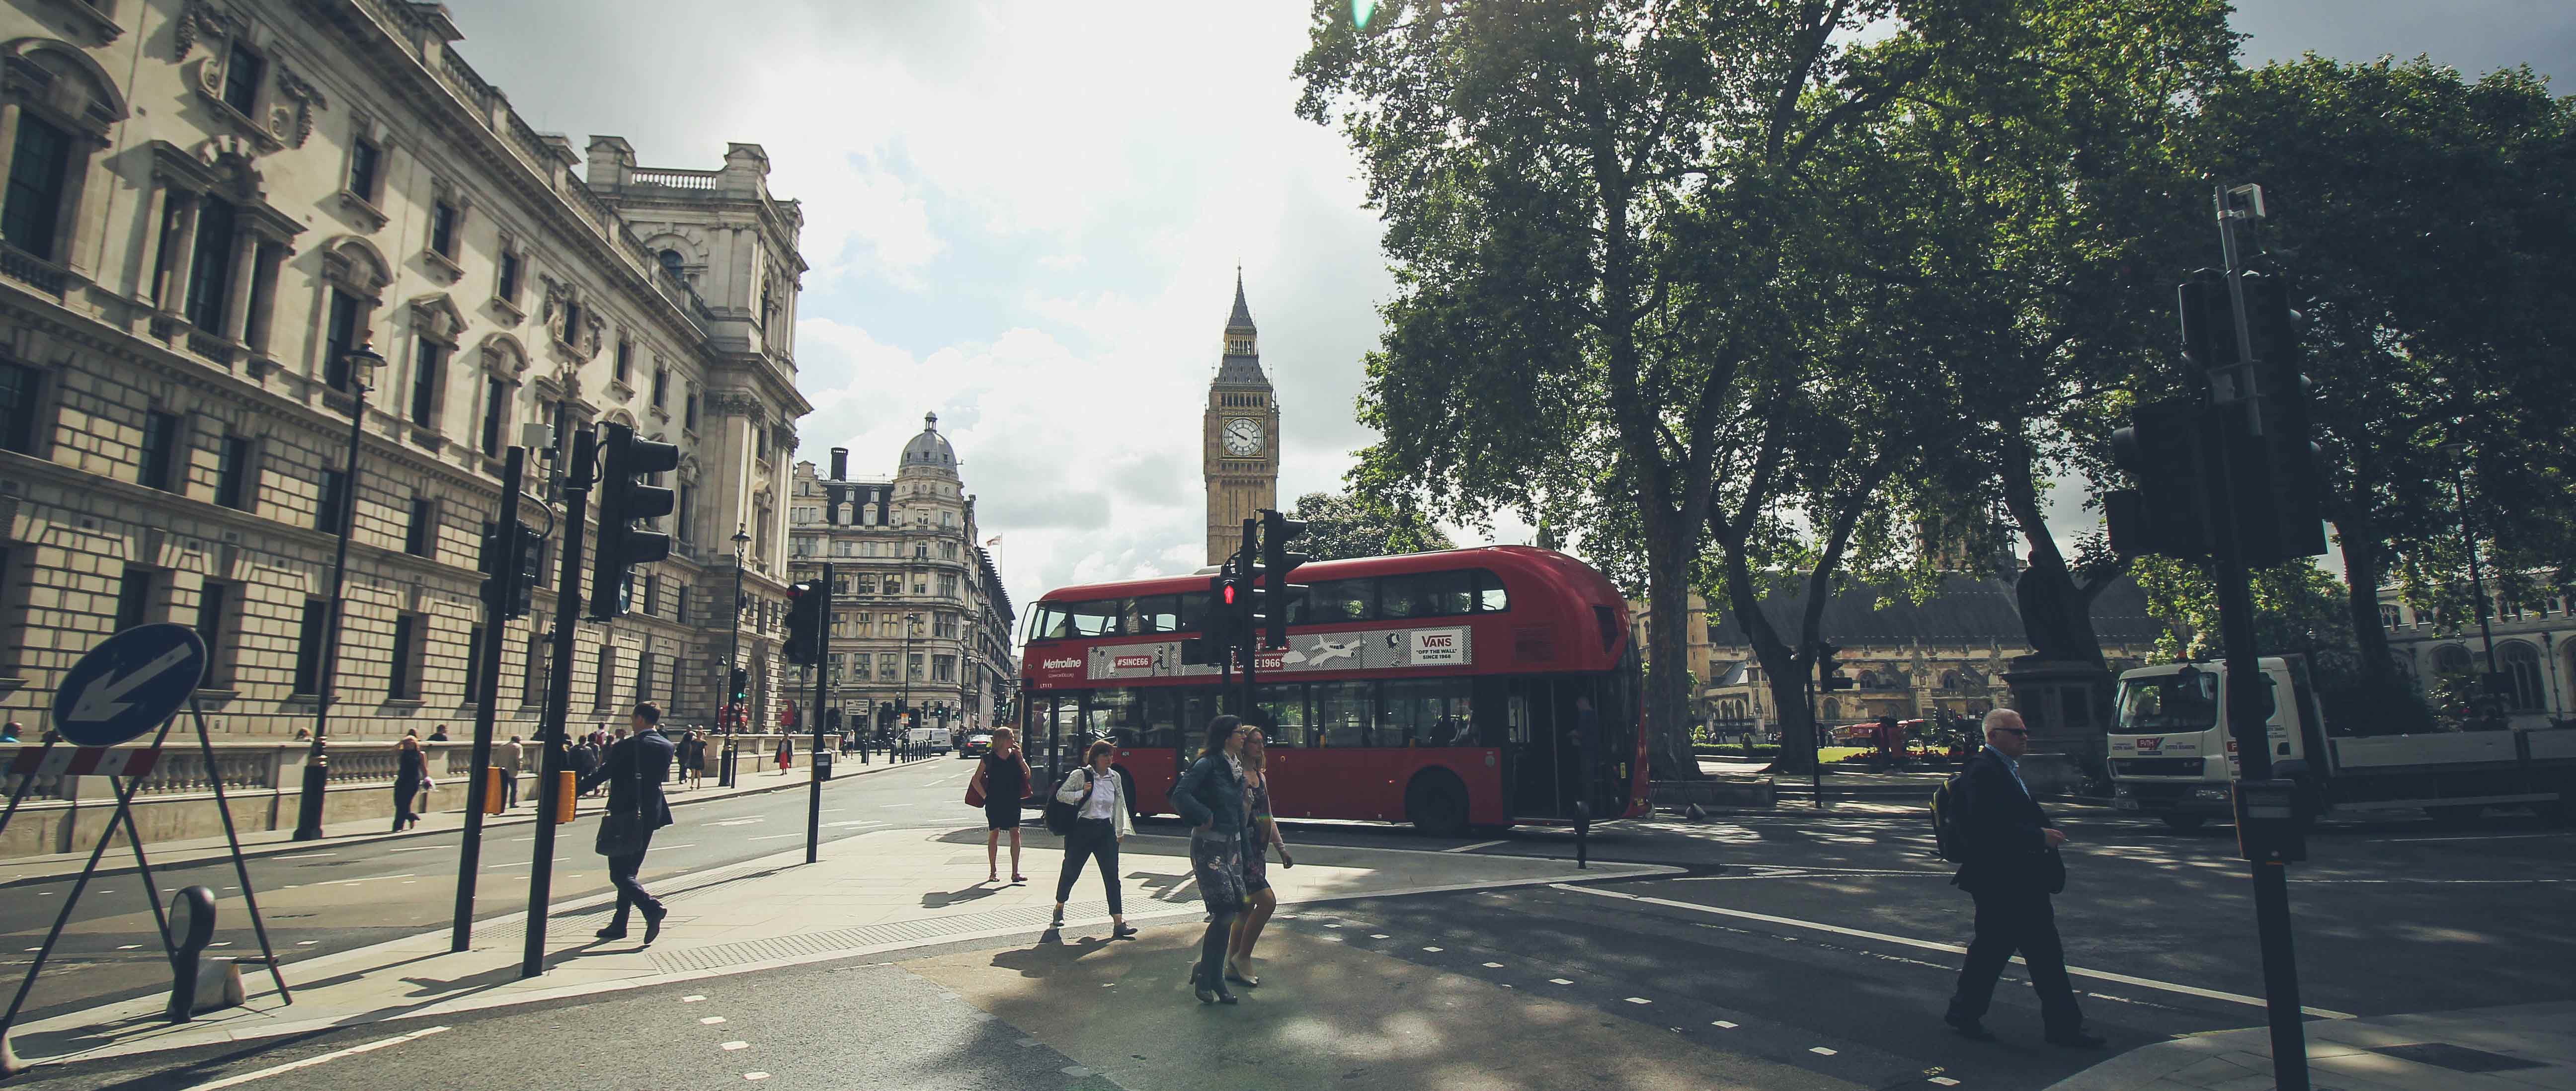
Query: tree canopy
(1345, 525)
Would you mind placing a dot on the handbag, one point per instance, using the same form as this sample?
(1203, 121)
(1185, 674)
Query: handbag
(1060, 814)
(623, 832)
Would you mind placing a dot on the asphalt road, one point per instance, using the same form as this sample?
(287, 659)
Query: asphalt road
(335, 898)
(1812, 940)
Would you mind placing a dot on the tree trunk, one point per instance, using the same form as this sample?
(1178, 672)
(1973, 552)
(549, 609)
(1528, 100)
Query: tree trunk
(1668, 750)
(2056, 614)
(2363, 565)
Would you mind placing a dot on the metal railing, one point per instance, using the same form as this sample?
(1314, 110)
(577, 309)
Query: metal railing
(33, 271)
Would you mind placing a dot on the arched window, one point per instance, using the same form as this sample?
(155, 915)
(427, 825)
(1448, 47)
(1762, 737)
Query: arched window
(1949, 679)
(671, 261)
(1833, 709)
(1869, 680)
(2521, 664)
(2450, 659)
(2388, 615)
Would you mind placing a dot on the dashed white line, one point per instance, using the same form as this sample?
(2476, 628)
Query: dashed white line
(772, 836)
(1493, 965)
(422, 848)
(1639, 1000)
(1433, 950)
(731, 1046)
(1722, 1024)
(1943, 1081)
(691, 999)
(689, 845)
(755, 1076)
(1559, 981)
(305, 856)
(325, 1058)
(711, 1020)
(1820, 1051)
(1477, 845)
(1379, 935)
(128, 946)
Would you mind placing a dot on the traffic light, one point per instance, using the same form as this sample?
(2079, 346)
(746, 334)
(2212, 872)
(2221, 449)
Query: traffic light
(741, 682)
(2208, 330)
(520, 562)
(2164, 514)
(1278, 563)
(626, 494)
(1245, 594)
(1215, 642)
(1829, 671)
(804, 623)
(2279, 502)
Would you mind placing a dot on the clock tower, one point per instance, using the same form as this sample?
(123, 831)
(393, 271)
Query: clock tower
(1240, 458)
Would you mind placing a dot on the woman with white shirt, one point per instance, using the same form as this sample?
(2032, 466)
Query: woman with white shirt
(1099, 823)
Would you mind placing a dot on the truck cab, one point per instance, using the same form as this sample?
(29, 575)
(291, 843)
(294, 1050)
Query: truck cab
(2172, 755)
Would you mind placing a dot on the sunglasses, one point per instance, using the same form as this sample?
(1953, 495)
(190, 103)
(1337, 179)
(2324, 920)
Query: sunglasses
(2014, 730)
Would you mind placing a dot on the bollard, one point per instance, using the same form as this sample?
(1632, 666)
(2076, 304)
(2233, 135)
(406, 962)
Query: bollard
(564, 808)
(192, 989)
(491, 789)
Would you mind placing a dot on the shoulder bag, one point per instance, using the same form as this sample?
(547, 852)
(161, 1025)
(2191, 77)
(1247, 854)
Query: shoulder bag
(622, 831)
(1060, 814)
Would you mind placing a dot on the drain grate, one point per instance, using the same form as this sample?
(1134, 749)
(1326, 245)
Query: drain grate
(2455, 1058)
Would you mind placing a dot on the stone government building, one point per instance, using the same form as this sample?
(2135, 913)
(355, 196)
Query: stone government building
(919, 615)
(209, 203)
(1947, 654)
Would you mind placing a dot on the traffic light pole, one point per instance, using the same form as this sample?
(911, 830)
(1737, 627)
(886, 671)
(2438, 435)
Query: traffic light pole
(814, 760)
(500, 589)
(2247, 711)
(580, 476)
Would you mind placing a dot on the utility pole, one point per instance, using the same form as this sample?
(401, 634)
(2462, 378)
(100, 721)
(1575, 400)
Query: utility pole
(816, 758)
(581, 474)
(500, 591)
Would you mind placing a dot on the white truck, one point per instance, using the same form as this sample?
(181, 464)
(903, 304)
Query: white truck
(2173, 756)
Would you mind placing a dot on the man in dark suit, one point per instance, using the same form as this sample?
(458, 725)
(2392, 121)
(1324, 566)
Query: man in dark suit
(634, 770)
(2011, 868)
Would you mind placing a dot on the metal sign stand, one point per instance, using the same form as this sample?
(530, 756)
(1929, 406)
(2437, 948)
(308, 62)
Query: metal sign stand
(108, 708)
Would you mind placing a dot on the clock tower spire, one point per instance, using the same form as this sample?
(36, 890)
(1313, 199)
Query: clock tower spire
(1240, 456)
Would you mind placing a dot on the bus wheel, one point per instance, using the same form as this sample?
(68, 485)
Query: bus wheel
(1436, 804)
(2185, 822)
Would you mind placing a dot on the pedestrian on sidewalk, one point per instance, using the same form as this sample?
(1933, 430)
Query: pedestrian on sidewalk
(693, 758)
(439, 735)
(1002, 778)
(633, 773)
(2011, 867)
(410, 769)
(509, 758)
(1262, 833)
(1210, 799)
(1100, 822)
(9, 731)
(786, 754)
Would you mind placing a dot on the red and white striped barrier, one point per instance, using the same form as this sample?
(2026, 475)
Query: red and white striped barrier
(82, 761)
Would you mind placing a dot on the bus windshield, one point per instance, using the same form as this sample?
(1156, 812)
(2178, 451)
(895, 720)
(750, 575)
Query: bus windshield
(2183, 701)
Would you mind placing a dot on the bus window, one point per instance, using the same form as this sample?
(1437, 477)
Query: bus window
(1198, 706)
(1193, 607)
(1342, 713)
(1411, 705)
(1055, 621)
(1446, 594)
(1336, 600)
(1402, 596)
(1095, 618)
(1161, 718)
(1283, 713)
(1158, 614)
(1490, 598)
(1116, 714)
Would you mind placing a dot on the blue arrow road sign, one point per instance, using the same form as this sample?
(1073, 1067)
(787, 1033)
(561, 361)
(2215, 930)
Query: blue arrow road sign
(129, 684)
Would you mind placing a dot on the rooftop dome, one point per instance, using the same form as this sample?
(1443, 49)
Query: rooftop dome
(929, 451)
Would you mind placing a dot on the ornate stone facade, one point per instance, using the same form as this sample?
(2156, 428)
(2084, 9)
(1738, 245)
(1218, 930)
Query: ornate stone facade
(215, 201)
(920, 619)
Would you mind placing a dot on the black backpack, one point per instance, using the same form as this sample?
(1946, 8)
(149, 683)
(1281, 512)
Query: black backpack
(1949, 840)
(1060, 814)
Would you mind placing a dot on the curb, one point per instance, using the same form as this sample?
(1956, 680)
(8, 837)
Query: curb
(490, 822)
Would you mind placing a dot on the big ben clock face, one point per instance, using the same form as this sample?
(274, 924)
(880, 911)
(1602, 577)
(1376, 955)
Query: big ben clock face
(1243, 437)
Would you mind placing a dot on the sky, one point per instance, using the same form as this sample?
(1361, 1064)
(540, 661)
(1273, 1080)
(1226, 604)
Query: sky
(1027, 216)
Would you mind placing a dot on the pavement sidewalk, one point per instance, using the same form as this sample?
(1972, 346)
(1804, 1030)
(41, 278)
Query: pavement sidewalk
(271, 842)
(2514, 1048)
(883, 891)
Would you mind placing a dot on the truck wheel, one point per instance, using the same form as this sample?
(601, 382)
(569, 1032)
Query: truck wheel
(2185, 822)
(1436, 804)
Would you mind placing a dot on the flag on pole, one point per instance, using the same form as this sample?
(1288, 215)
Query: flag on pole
(994, 540)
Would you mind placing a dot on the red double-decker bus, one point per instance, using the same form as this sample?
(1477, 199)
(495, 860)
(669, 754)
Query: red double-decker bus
(1443, 689)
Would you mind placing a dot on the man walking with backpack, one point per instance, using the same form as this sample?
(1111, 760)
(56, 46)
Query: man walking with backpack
(1988, 821)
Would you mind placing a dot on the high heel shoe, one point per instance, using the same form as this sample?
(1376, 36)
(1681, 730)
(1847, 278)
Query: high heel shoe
(1234, 973)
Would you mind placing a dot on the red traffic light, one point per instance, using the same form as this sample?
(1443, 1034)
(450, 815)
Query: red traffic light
(1229, 594)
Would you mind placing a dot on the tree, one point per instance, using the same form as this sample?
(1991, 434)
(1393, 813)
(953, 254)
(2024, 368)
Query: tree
(1591, 207)
(2423, 219)
(1359, 525)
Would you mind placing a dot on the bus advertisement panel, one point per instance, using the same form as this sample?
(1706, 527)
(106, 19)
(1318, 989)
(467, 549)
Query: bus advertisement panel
(1472, 687)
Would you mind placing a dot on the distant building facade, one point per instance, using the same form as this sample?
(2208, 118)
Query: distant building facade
(2535, 650)
(1946, 655)
(211, 204)
(920, 619)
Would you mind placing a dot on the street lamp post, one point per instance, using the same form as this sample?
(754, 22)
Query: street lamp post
(733, 656)
(903, 711)
(362, 362)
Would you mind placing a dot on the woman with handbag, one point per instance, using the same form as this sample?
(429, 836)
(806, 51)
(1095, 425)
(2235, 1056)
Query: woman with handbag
(1098, 804)
(411, 767)
(1001, 782)
(786, 754)
(1210, 799)
(1261, 833)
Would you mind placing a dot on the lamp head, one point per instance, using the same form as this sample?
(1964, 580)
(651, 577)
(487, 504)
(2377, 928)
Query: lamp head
(364, 360)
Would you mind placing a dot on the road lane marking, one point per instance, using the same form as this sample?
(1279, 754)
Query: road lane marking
(1820, 1051)
(1433, 950)
(689, 845)
(712, 1020)
(1493, 965)
(691, 999)
(305, 856)
(773, 837)
(423, 848)
(318, 1059)
(1723, 1025)
(1477, 845)
(1639, 1000)
(1928, 945)
(731, 1046)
